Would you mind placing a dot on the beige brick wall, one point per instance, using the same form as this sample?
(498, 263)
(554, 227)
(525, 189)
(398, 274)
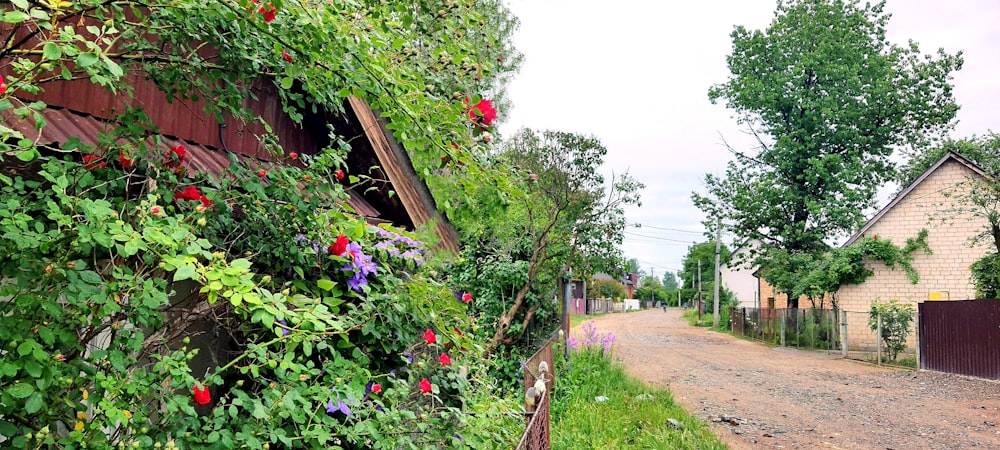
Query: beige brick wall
(947, 269)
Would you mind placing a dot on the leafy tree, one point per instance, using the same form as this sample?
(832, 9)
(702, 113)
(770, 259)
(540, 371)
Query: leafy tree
(632, 266)
(609, 289)
(561, 213)
(828, 98)
(670, 281)
(705, 253)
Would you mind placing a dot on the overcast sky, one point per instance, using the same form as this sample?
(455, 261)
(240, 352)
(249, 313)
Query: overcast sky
(635, 74)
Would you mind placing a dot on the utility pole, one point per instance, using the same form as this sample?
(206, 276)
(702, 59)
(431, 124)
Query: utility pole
(701, 307)
(652, 274)
(566, 300)
(718, 235)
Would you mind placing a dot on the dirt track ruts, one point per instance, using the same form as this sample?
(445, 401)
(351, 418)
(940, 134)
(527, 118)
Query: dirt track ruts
(755, 396)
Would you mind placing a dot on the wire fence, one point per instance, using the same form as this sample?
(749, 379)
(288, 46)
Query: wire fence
(799, 328)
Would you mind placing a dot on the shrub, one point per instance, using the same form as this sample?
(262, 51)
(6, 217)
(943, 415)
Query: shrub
(896, 320)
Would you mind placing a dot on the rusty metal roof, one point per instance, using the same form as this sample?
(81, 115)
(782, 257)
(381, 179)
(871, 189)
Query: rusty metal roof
(63, 124)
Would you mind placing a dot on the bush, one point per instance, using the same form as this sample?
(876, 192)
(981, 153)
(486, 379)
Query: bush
(607, 289)
(896, 320)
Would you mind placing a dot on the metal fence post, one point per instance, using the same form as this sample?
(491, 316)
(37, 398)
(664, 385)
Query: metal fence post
(878, 340)
(781, 326)
(843, 333)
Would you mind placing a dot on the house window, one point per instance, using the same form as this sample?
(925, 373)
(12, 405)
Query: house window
(770, 302)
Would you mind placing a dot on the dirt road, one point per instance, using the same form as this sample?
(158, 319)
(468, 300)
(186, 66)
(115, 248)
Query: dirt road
(757, 397)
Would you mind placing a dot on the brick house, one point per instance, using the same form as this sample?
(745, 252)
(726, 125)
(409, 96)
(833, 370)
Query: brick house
(925, 203)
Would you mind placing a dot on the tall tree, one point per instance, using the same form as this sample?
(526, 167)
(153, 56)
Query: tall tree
(828, 98)
(670, 281)
(703, 254)
(563, 214)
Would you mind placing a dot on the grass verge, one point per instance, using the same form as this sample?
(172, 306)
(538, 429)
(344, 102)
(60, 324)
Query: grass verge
(597, 406)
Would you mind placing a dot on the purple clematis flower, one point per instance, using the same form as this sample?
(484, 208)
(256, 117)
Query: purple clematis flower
(340, 407)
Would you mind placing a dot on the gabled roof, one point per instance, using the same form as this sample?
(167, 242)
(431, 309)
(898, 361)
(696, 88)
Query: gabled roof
(950, 156)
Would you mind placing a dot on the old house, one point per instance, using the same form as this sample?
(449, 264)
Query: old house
(927, 203)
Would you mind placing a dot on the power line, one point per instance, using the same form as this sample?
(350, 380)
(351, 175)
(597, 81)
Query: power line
(639, 225)
(657, 237)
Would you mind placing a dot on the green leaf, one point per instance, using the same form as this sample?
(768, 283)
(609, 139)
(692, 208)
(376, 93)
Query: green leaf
(325, 284)
(14, 17)
(21, 4)
(186, 272)
(28, 155)
(86, 59)
(34, 403)
(21, 390)
(51, 51)
(286, 82)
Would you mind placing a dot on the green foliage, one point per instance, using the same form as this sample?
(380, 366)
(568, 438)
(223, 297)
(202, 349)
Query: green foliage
(986, 276)
(609, 289)
(814, 275)
(829, 98)
(558, 212)
(670, 281)
(122, 295)
(703, 253)
(634, 415)
(982, 150)
(896, 320)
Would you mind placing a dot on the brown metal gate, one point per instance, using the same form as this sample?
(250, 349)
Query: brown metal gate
(961, 337)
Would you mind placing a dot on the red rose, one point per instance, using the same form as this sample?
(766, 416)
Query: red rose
(376, 388)
(339, 174)
(284, 54)
(189, 193)
(430, 337)
(269, 11)
(444, 359)
(92, 162)
(3, 87)
(466, 297)
(425, 386)
(339, 246)
(483, 112)
(125, 162)
(307, 177)
(175, 158)
(201, 395)
(262, 173)
(293, 155)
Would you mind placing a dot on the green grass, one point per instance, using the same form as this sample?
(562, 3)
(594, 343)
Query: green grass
(691, 316)
(581, 318)
(623, 421)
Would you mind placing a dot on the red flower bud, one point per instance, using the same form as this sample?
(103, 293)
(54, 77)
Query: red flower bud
(430, 337)
(376, 388)
(284, 54)
(201, 395)
(339, 174)
(444, 359)
(425, 386)
(467, 297)
(262, 173)
(293, 155)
